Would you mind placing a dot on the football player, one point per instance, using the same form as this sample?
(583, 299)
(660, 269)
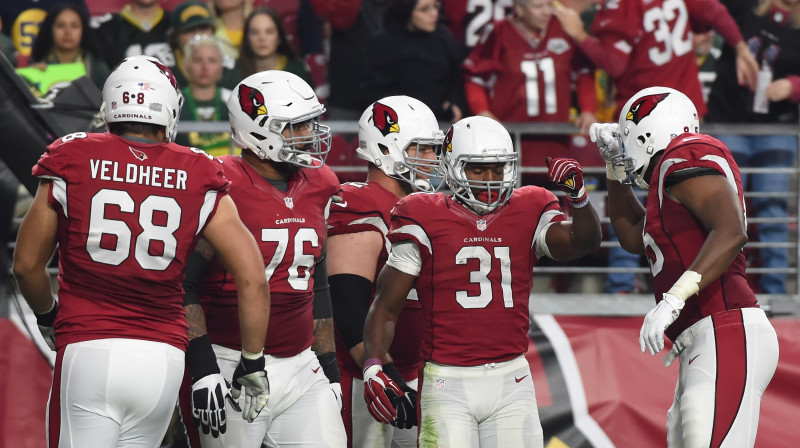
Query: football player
(645, 42)
(692, 231)
(486, 239)
(283, 190)
(126, 207)
(399, 137)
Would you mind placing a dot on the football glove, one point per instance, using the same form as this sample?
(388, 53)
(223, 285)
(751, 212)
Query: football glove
(651, 336)
(607, 139)
(568, 175)
(45, 323)
(208, 404)
(406, 409)
(250, 373)
(381, 392)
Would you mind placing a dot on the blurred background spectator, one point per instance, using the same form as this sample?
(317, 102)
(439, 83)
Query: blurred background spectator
(524, 70)
(21, 20)
(190, 19)
(772, 31)
(353, 24)
(139, 28)
(229, 17)
(65, 38)
(7, 46)
(468, 20)
(418, 57)
(266, 46)
(204, 99)
(707, 50)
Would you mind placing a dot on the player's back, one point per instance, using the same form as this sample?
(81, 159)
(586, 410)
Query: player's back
(658, 37)
(476, 275)
(128, 215)
(367, 207)
(673, 236)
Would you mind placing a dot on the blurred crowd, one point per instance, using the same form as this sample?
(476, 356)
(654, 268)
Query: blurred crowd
(513, 60)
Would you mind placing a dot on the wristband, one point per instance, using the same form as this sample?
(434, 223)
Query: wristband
(329, 366)
(686, 286)
(200, 358)
(47, 318)
(252, 356)
(372, 362)
(581, 203)
(615, 172)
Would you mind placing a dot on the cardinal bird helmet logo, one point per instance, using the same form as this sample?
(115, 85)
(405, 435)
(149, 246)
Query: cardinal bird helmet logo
(644, 106)
(166, 71)
(448, 141)
(251, 101)
(385, 119)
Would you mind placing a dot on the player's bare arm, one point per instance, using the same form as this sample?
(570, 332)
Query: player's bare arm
(351, 258)
(627, 216)
(713, 201)
(582, 236)
(392, 289)
(239, 252)
(36, 242)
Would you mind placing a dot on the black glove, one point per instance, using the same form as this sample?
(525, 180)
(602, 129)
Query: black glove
(208, 403)
(405, 404)
(45, 323)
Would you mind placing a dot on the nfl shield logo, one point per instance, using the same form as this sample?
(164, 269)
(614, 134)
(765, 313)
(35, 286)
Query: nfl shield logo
(439, 383)
(288, 202)
(481, 224)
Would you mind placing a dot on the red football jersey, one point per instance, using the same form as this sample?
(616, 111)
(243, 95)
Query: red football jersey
(528, 82)
(468, 19)
(658, 37)
(290, 230)
(367, 207)
(129, 213)
(475, 296)
(673, 236)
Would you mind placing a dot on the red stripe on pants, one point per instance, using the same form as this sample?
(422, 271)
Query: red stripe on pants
(731, 372)
(54, 411)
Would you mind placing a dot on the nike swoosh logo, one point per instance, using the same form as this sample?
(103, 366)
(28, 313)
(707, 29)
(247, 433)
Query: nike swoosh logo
(520, 379)
(316, 370)
(341, 204)
(691, 360)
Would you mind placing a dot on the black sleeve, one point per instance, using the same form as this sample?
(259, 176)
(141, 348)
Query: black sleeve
(351, 295)
(322, 293)
(195, 270)
(688, 173)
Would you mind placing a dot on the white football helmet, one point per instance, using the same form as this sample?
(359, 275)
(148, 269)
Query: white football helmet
(391, 126)
(648, 122)
(479, 139)
(266, 103)
(142, 89)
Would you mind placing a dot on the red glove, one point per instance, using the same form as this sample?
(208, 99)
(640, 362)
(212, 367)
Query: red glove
(568, 175)
(380, 392)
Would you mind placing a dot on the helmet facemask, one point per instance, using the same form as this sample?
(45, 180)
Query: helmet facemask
(482, 196)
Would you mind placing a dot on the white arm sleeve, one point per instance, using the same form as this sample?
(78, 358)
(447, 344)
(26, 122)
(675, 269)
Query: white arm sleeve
(405, 257)
(540, 243)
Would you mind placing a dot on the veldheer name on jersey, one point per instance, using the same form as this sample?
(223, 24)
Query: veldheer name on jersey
(154, 176)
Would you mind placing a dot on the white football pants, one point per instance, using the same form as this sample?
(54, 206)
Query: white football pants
(487, 406)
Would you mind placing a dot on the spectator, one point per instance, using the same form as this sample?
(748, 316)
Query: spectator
(22, 19)
(203, 98)
(283, 190)
(64, 38)
(707, 51)
(118, 327)
(139, 28)
(354, 23)
(229, 17)
(399, 137)
(190, 19)
(772, 30)
(692, 231)
(475, 317)
(416, 56)
(266, 46)
(469, 20)
(523, 70)
(7, 47)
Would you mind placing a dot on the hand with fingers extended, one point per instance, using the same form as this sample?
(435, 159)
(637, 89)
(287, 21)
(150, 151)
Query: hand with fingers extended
(251, 374)
(651, 336)
(208, 403)
(568, 175)
(381, 393)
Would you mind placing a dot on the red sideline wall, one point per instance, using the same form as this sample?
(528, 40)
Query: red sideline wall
(593, 386)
